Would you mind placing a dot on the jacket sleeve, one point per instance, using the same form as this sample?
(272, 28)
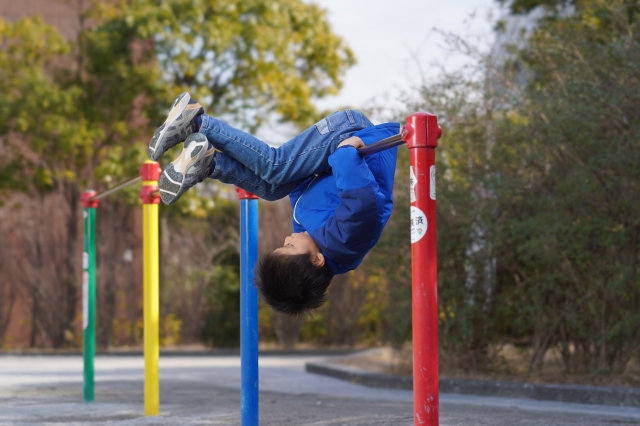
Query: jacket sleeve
(293, 199)
(348, 233)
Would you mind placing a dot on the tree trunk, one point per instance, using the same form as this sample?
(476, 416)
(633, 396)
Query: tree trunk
(542, 338)
(287, 329)
(345, 304)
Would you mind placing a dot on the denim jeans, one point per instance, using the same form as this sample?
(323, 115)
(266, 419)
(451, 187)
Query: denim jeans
(272, 173)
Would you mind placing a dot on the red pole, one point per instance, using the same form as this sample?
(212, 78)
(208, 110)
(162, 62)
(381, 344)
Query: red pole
(421, 134)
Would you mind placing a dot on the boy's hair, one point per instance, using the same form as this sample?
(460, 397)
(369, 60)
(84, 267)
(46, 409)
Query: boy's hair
(292, 284)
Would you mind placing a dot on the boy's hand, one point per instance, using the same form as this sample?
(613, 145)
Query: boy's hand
(354, 141)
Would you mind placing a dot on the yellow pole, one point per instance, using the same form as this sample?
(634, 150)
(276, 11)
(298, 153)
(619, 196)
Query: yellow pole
(150, 173)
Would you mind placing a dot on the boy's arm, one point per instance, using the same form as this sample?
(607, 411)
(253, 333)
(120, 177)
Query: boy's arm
(349, 169)
(347, 234)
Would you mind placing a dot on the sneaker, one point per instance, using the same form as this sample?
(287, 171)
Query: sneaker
(179, 124)
(192, 166)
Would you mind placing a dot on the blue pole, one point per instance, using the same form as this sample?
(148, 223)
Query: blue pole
(248, 309)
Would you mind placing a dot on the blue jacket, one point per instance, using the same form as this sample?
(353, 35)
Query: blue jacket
(345, 209)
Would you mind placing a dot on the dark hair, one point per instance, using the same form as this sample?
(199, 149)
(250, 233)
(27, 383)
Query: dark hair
(292, 284)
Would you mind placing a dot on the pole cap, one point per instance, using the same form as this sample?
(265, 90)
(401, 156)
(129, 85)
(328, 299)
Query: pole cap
(150, 170)
(421, 130)
(87, 201)
(246, 195)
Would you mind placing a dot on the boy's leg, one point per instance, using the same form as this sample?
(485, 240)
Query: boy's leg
(228, 170)
(304, 155)
(199, 160)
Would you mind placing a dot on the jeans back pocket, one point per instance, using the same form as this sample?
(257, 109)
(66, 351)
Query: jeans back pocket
(323, 126)
(337, 121)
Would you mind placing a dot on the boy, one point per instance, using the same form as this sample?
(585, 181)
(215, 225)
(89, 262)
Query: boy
(341, 201)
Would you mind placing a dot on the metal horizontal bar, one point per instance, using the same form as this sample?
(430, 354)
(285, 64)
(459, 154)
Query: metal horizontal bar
(117, 188)
(381, 145)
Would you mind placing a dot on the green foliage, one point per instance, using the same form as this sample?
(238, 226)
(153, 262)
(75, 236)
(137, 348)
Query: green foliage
(77, 114)
(390, 262)
(170, 330)
(572, 234)
(315, 327)
(61, 122)
(526, 6)
(246, 59)
(222, 318)
(82, 110)
(537, 225)
(28, 47)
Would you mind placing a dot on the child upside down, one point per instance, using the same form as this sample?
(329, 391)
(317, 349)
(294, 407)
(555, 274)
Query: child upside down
(341, 201)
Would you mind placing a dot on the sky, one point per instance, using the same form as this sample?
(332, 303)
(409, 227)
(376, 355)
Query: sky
(395, 42)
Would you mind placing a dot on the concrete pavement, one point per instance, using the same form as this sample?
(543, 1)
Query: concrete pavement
(47, 390)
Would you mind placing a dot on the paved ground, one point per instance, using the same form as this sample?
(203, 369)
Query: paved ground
(47, 390)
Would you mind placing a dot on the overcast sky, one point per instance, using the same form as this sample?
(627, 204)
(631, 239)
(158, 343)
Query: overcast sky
(394, 39)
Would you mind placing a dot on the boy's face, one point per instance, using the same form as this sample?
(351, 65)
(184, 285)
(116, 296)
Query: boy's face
(301, 243)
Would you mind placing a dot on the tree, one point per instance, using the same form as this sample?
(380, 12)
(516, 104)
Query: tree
(573, 232)
(537, 228)
(78, 114)
(245, 59)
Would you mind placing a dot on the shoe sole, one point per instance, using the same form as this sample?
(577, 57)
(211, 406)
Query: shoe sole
(171, 181)
(176, 111)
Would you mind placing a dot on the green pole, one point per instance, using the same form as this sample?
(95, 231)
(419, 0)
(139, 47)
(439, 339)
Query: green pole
(89, 292)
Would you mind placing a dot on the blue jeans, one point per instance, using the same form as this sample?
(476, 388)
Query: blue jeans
(272, 173)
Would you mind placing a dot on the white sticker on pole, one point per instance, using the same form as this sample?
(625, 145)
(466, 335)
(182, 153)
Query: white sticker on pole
(413, 182)
(418, 224)
(432, 182)
(85, 299)
(85, 260)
